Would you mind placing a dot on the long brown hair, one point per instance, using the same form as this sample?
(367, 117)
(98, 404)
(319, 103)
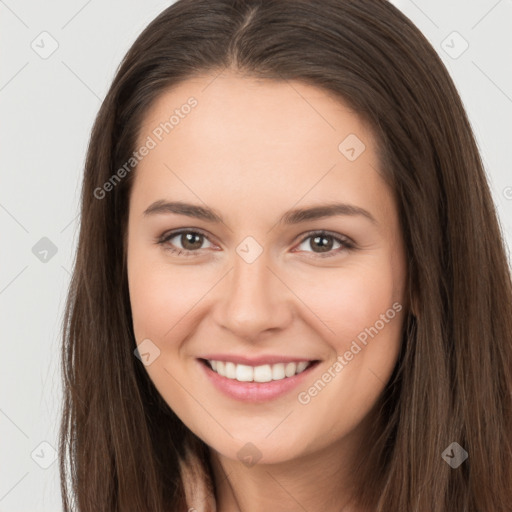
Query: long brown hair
(453, 378)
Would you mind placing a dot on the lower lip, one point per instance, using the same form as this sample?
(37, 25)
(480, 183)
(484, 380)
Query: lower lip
(255, 391)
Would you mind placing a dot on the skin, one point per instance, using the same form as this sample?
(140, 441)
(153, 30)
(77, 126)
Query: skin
(251, 150)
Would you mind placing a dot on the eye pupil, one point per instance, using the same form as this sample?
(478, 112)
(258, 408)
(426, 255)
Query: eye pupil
(325, 247)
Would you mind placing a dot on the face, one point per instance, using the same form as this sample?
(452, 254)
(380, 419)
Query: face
(248, 268)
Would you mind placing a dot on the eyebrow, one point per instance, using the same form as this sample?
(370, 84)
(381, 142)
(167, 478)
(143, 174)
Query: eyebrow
(290, 217)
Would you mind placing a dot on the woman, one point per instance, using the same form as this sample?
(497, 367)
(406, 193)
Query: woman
(291, 290)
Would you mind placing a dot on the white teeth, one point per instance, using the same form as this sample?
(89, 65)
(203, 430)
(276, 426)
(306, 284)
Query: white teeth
(290, 369)
(302, 366)
(263, 373)
(278, 371)
(244, 373)
(230, 370)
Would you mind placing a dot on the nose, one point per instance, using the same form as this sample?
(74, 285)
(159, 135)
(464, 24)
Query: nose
(253, 300)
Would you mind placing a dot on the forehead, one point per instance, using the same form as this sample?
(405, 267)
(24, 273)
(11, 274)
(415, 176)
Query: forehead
(246, 139)
(235, 107)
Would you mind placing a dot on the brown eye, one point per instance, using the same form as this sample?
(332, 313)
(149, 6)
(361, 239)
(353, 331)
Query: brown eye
(191, 241)
(323, 243)
(183, 242)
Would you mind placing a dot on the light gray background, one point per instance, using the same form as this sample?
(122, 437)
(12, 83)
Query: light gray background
(47, 109)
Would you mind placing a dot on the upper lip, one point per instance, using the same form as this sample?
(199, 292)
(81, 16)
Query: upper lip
(255, 361)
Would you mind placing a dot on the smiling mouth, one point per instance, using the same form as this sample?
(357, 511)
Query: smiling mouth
(258, 374)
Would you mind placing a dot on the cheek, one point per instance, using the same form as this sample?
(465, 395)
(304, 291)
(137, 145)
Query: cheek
(162, 296)
(349, 300)
(364, 311)
(151, 303)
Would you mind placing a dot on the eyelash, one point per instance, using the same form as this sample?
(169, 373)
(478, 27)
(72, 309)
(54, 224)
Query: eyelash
(344, 241)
